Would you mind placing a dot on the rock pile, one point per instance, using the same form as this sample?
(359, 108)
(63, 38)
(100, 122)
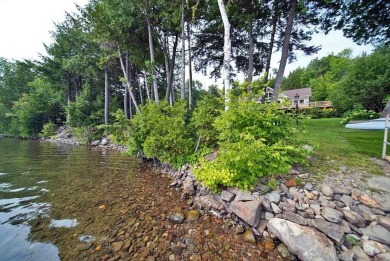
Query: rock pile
(314, 222)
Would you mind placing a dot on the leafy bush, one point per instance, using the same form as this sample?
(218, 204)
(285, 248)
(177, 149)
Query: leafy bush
(254, 140)
(161, 131)
(359, 115)
(119, 130)
(48, 130)
(208, 109)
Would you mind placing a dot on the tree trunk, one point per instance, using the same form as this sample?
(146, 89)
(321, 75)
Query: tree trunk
(183, 52)
(250, 50)
(170, 66)
(128, 82)
(271, 45)
(226, 51)
(151, 48)
(105, 95)
(126, 95)
(68, 94)
(285, 49)
(140, 91)
(146, 85)
(190, 98)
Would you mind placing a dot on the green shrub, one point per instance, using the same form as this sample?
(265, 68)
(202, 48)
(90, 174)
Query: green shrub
(161, 131)
(360, 114)
(119, 130)
(208, 109)
(48, 130)
(254, 140)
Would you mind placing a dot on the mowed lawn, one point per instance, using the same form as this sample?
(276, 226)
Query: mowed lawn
(332, 141)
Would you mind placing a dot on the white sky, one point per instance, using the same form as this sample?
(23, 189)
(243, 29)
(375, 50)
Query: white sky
(25, 25)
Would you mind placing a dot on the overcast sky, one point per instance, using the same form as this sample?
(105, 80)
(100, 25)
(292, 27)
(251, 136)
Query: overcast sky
(26, 24)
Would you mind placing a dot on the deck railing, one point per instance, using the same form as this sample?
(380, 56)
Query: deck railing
(316, 104)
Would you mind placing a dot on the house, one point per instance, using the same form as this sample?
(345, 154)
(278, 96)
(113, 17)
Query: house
(303, 95)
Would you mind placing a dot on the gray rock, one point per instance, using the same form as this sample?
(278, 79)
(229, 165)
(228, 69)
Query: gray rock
(326, 190)
(284, 252)
(346, 255)
(377, 233)
(344, 226)
(358, 254)
(380, 183)
(227, 195)
(347, 200)
(377, 211)
(261, 227)
(95, 143)
(244, 196)
(384, 222)
(177, 218)
(342, 190)
(354, 218)
(364, 211)
(284, 188)
(382, 257)
(275, 208)
(273, 197)
(268, 216)
(332, 215)
(304, 176)
(305, 242)
(105, 142)
(372, 248)
(316, 208)
(247, 211)
(333, 231)
(290, 216)
(308, 186)
(263, 188)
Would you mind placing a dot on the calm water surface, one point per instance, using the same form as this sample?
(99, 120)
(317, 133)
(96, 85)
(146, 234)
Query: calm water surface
(51, 186)
(60, 202)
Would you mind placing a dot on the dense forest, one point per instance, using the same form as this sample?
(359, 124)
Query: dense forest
(118, 68)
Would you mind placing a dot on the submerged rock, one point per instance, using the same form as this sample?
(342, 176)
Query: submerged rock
(248, 236)
(305, 242)
(177, 218)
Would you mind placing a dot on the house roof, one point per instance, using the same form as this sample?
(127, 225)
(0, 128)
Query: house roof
(304, 92)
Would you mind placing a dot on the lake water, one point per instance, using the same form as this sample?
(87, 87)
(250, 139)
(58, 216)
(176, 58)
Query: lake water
(61, 202)
(45, 183)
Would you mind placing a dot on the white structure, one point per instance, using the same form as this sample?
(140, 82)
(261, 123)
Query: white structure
(303, 95)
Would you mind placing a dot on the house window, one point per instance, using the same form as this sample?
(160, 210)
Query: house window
(301, 101)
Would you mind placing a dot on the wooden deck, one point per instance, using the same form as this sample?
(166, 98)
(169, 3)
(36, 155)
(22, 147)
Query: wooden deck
(316, 104)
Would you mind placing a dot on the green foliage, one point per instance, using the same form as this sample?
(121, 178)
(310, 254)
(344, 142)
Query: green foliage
(317, 113)
(204, 115)
(359, 114)
(48, 130)
(272, 183)
(85, 111)
(254, 140)
(33, 110)
(119, 130)
(161, 131)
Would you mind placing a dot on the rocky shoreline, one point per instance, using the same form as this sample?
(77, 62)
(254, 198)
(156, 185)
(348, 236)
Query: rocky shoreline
(302, 220)
(314, 222)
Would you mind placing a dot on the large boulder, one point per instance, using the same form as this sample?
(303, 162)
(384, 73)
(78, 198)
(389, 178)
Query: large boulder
(305, 242)
(248, 211)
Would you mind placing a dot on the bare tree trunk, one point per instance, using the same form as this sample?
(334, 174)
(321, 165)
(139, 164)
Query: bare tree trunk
(270, 49)
(151, 48)
(140, 91)
(183, 52)
(190, 98)
(126, 95)
(170, 65)
(250, 50)
(68, 94)
(128, 82)
(271, 44)
(285, 49)
(227, 46)
(146, 85)
(105, 95)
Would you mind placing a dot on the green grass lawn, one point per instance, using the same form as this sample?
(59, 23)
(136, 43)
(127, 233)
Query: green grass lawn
(332, 141)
